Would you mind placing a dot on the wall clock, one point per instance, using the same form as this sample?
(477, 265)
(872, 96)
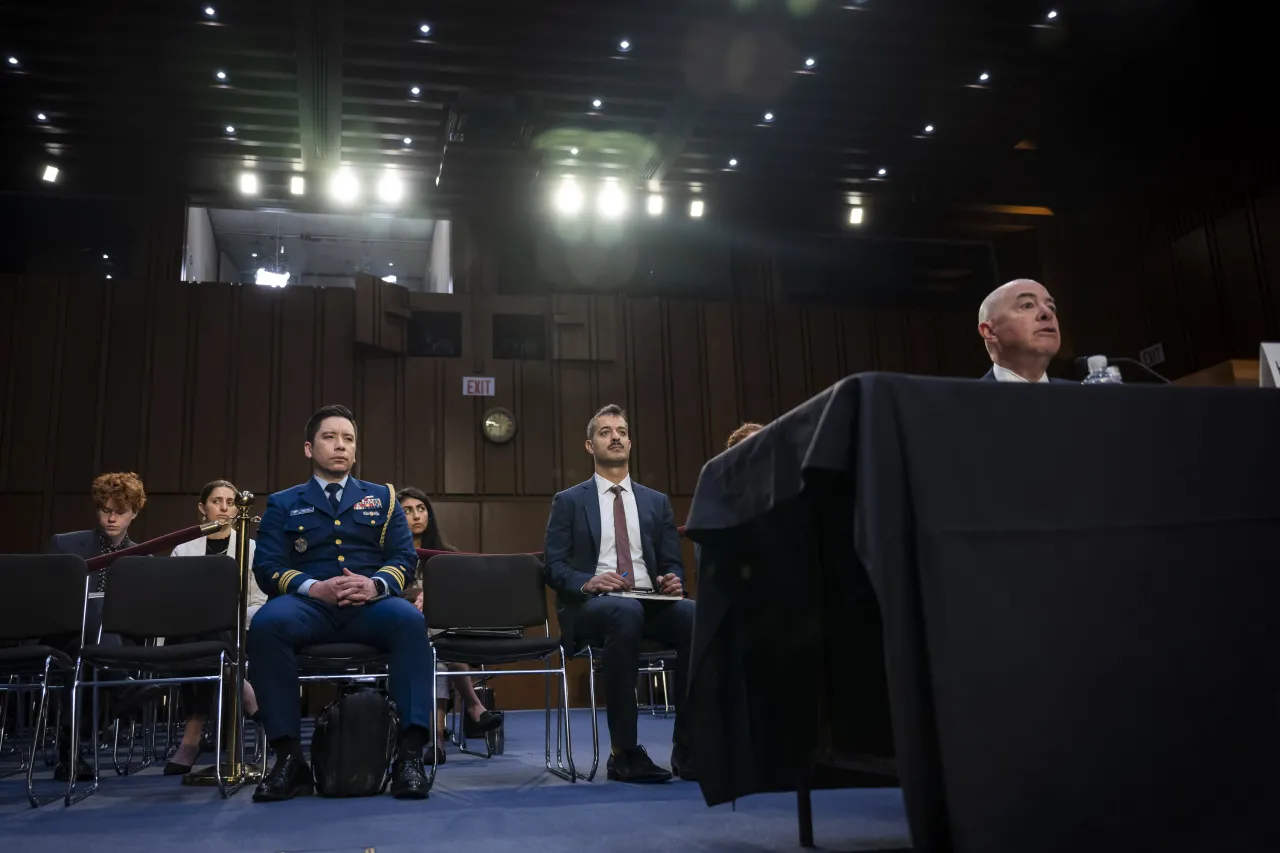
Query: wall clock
(498, 425)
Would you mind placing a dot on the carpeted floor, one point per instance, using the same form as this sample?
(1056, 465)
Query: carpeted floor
(506, 804)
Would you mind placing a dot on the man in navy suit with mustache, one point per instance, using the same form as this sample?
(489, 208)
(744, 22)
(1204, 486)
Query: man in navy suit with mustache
(1018, 322)
(609, 535)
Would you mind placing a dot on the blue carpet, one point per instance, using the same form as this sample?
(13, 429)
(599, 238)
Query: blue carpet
(506, 804)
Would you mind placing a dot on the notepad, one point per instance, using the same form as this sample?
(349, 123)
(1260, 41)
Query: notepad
(648, 596)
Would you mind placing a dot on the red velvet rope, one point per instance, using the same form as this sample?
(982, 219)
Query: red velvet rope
(168, 540)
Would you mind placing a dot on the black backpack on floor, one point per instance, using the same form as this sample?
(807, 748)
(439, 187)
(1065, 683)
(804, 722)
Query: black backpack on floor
(353, 745)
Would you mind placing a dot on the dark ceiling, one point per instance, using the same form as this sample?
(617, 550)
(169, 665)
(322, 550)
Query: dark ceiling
(505, 92)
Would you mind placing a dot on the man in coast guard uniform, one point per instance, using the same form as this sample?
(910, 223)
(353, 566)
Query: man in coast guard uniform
(335, 553)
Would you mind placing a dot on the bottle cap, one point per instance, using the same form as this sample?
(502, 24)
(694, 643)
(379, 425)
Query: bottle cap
(1097, 364)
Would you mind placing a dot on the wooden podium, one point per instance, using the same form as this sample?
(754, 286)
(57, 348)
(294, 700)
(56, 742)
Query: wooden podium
(1240, 372)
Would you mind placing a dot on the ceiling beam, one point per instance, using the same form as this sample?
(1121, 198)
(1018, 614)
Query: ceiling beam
(320, 37)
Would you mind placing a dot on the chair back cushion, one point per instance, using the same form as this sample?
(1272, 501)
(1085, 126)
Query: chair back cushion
(44, 595)
(171, 596)
(484, 591)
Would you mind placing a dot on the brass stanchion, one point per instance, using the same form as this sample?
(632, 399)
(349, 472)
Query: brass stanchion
(234, 772)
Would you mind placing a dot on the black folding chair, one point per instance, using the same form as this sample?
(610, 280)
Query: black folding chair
(465, 594)
(56, 611)
(148, 598)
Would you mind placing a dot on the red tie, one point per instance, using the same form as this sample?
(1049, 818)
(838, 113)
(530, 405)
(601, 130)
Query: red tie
(621, 541)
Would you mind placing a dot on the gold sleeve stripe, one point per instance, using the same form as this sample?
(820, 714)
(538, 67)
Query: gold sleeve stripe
(396, 573)
(287, 578)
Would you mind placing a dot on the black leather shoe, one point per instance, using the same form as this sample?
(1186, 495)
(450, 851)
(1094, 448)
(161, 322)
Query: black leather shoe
(476, 729)
(408, 780)
(291, 777)
(682, 763)
(84, 773)
(634, 765)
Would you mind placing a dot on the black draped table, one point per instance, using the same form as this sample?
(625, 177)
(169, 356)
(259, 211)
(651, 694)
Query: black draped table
(1053, 610)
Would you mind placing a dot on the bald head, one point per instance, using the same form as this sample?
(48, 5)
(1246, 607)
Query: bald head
(1018, 322)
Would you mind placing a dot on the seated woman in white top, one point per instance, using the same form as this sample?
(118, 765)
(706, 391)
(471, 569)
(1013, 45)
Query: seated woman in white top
(217, 503)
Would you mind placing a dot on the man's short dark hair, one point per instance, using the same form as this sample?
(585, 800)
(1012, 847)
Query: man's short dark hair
(611, 409)
(313, 425)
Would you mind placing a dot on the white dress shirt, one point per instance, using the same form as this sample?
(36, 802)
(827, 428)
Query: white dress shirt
(1004, 374)
(607, 561)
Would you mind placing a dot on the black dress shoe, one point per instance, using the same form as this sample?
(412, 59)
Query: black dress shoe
(290, 778)
(476, 729)
(408, 780)
(634, 765)
(84, 773)
(682, 763)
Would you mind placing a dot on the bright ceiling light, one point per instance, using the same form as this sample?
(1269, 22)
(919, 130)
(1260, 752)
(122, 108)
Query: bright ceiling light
(408, 140)
(855, 215)
(210, 12)
(389, 279)
(415, 91)
(597, 103)
(108, 276)
(390, 263)
(882, 171)
(297, 185)
(41, 117)
(221, 75)
(267, 278)
(249, 183)
(984, 76)
(624, 45)
(612, 201)
(928, 128)
(105, 256)
(1053, 13)
(230, 129)
(733, 161)
(13, 60)
(425, 29)
(390, 188)
(573, 151)
(344, 188)
(50, 174)
(253, 254)
(568, 198)
(768, 117)
(655, 205)
(810, 62)
(696, 208)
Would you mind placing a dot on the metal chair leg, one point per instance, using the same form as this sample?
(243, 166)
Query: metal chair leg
(37, 737)
(804, 814)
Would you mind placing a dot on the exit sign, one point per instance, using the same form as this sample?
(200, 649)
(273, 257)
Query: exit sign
(1152, 355)
(477, 386)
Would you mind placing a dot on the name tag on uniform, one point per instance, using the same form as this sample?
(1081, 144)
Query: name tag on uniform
(303, 511)
(368, 503)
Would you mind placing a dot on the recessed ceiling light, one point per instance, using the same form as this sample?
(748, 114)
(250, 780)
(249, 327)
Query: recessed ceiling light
(696, 208)
(882, 171)
(390, 188)
(984, 76)
(230, 129)
(928, 128)
(108, 276)
(249, 183)
(41, 117)
(810, 62)
(655, 205)
(105, 256)
(50, 174)
(408, 140)
(624, 45)
(568, 198)
(425, 29)
(390, 264)
(253, 254)
(345, 187)
(597, 103)
(1053, 13)
(573, 151)
(13, 60)
(855, 215)
(210, 12)
(297, 185)
(221, 75)
(733, 161)
(415, 91)
(768, 117)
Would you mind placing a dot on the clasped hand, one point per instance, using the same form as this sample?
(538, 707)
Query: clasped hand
(347, 589)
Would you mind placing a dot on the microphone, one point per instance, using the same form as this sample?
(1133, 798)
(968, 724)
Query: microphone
(1082, 366)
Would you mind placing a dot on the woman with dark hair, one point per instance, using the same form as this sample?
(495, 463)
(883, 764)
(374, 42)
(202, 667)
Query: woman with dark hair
(426, 535)
(217, 503)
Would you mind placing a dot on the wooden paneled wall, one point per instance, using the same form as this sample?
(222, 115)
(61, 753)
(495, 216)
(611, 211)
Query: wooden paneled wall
(184, 383)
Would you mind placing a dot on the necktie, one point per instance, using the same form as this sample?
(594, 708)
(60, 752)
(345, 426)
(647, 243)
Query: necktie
(333, 489)
(621, 541)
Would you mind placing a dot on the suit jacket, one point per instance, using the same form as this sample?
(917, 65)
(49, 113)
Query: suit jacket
(301, 538)
(196, 548)
(572, 546)
(82, 543)
(990, 376)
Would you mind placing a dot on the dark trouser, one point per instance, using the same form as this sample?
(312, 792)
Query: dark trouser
(621, 623)
(290, 622)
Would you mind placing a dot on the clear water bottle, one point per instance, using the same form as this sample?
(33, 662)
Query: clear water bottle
(1113, 375)
(1098, 374)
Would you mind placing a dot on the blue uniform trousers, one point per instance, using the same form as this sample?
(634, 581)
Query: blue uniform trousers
(291, 622)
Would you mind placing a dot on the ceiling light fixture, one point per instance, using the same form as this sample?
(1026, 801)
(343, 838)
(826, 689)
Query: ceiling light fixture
(249, 183)
(573, 151)
(108, 276)
(568, 198)
(768, 117)
(408, 140)
(425, 29)
(810, 62)
(390, 188)
(612, 201)
(390, 264)
(928, 128)
(882, 171)
(267, 278)
(221, 75)
(415, 91)
(13, 60)
(855, 215)
(389, 279)
(733, 161)
(297, 185)
(230, 129)
(210, 12)
(624, 45)
(655, 205)
(50, 174)
(253, 254)
(344, 187)
(597, 103)
(984, 76)
(1053, 13)
(696, 208)
(41, 117)
(105, 256)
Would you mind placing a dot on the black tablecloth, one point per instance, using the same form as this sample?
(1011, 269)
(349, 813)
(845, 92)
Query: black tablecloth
(1056, 605)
